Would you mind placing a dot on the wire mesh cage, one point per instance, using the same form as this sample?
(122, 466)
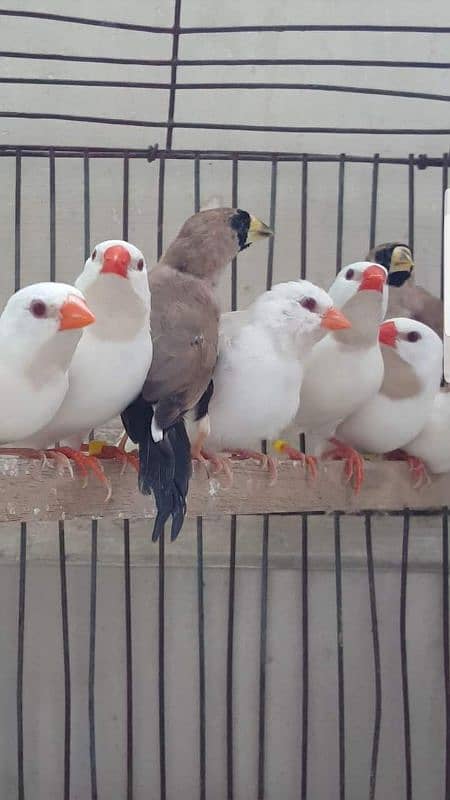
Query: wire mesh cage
(273, 651)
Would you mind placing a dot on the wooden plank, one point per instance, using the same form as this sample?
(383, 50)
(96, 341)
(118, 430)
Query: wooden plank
(30, 492)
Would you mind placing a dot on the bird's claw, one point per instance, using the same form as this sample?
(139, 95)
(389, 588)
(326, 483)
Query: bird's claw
(267, 462)
(100, 449)
(85, 463)
(308, 462)
(220, 463)
(417, 468)
(354, 462)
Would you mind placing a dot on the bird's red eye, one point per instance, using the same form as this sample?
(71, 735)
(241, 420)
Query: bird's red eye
(413, 336)
(140, 264)
(350, 274)
(94, 255)
(38, 309)
(309, 303)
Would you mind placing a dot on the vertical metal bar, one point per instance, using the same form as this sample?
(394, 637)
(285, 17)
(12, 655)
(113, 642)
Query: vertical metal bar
(20, 658)
(304, 217)
(52, 188)
(304, 244)
(340, 654)
(23, 527)
(403, 654)
(125, 197)
(196, 185)
(230, 650)
(411, 202)
(444, 187)
(86, 206)
(305, 657)
(376, 656)
(161, 676)
(17, 221)
(234, 203)
(340, 213)
(446, 643)
(273, 210)
(263, 657)
(201, 658)
(232, 566)
(173, 73)
(170, 119)
(66, 658)
(91, 679)
(129, 655)
(374, 201)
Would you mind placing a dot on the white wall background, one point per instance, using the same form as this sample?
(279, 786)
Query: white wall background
(43, 700)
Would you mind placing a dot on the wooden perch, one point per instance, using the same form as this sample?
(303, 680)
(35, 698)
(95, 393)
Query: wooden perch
(30, 492)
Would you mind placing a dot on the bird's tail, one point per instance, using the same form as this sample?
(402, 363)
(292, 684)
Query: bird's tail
(164, 466)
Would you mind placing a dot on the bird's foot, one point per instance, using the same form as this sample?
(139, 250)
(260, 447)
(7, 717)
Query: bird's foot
(354, 462)
(85, 464)
(44, 456)
(267, 462)
(308, 462)
(219, 463)
(417, 468)
(100, 449)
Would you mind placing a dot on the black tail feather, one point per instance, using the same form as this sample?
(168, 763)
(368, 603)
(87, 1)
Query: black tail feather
(164, 467)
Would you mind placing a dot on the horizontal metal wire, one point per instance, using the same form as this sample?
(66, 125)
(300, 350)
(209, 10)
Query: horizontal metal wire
(154, 153)
(308, 87)
(223, 28)
(219, 126)
(228, 62)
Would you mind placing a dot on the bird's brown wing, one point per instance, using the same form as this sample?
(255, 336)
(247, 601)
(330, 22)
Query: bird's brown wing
(427, 308)
(184, 322)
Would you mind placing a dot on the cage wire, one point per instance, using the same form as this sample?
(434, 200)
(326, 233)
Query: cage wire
(158, 157)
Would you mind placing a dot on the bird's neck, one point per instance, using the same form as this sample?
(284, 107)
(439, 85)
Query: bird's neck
(42, 362)
(204, 263)
(120, 314)
(365, 312)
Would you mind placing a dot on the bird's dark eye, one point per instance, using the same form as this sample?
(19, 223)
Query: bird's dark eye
(140, 264)
(350, 274)
(38, 309)
(94, 255)
(309, 303)
(413, 336)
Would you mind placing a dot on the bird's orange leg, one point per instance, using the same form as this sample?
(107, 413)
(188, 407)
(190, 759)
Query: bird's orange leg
(39, 455)
(307, 461)
(100, 449)
(417, 467)
(267, 462)
(354, 462)
(84, 463)
(198, 453)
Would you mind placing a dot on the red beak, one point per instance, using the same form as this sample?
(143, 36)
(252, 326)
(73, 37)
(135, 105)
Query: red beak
(334, 320)
(387, 334)
(116, 261)
(373, 279)
(74, 314)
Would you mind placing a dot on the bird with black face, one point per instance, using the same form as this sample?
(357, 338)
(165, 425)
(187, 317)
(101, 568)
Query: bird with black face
(185, 325)
(405, 298)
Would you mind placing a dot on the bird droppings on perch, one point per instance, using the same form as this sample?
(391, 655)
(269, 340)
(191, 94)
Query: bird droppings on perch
(31, 493)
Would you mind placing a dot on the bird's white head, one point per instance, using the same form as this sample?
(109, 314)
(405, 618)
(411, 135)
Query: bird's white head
(358, 277)
(45, 318)
(416, 344)
(114, 271)
(299, 310)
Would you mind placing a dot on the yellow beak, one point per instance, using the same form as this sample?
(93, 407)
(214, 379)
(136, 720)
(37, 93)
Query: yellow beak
(257, 230)
(401, 260)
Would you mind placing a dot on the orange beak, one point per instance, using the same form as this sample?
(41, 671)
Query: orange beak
(116, 261)
(74, 313)
(373, 279)
(334, 320)
(388, 334)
